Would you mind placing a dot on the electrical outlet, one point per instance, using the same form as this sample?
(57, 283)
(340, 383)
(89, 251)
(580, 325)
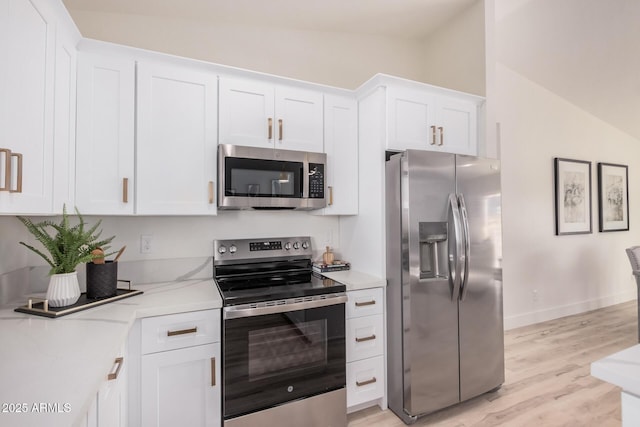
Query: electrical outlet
(534, 295)
(146, 244)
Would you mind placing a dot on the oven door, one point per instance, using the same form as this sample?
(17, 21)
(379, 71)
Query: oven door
(282, 352)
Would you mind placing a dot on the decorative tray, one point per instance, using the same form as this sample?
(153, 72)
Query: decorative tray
(40, 307)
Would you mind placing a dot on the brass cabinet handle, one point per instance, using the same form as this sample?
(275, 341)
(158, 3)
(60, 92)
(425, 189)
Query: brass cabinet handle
(114, 375)
(280, 129)
(433, 135)
(125, 190)
(371, 381)
(211, 193)
(369, 338)
(270, 131)
(213, 372)
(330, 195)
(441, 129)
(362, 304)
(182, 332)
(7, 169)
(18, 188)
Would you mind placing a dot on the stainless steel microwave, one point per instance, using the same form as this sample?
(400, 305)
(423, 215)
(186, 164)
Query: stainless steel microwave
(268, 178)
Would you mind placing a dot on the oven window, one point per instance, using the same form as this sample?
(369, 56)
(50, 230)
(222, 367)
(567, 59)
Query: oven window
(262, 178)
(275, 358)
(297, 346)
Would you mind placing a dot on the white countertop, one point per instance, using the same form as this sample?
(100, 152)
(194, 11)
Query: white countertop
(355, 280)
(621, 369)
(64, 361)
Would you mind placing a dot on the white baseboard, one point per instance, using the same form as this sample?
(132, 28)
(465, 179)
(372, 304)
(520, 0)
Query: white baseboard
(550, 313)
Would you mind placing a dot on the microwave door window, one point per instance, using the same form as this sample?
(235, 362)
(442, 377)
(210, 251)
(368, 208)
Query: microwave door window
(263, 178)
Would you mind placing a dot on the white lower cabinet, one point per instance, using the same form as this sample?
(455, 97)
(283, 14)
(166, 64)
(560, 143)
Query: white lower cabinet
(109, 408)
(181, 387)
(177, 378)
(365, 349)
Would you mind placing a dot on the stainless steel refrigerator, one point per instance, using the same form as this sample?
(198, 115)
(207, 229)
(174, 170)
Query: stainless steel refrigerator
(444, 280)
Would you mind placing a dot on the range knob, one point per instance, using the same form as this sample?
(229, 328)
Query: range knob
(222, 249)
(232, 249)
(287, 245)
(305, 245)
(296, 245)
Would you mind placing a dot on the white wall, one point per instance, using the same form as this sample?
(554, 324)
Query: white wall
(12, 255)
(454, 55)
(335, 59)
(548, 276)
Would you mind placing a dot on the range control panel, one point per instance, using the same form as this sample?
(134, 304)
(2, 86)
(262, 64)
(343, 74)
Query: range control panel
(256, 249)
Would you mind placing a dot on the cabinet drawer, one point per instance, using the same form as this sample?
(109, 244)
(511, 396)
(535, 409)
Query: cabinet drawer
(174, 331)
(365, 380)
(365, 337)
(364, 302)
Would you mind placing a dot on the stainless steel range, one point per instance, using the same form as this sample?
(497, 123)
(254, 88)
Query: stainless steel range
(283, 335)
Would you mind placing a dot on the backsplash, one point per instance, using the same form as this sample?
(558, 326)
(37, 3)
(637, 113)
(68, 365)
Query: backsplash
(182, 247)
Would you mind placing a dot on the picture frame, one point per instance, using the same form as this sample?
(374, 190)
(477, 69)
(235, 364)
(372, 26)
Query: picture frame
(613, 197)
(572, 179)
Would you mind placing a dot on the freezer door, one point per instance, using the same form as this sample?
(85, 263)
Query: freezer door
(430, 316)
(480, 307)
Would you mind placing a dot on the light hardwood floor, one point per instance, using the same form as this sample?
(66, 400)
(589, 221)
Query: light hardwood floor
(547, 380)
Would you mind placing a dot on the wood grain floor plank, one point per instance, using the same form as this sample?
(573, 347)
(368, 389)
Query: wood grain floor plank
(547, 378)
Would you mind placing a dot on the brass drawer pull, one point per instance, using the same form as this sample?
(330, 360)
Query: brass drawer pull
(125, 190)
(7, 169)
(330, 195)
(182, 332)
(280, 129)
(19, 178)
(367, 382)
(441, 129)
(114, 375)
(369, 338)
(211, 194)
(213, 372)
(270, 131)
(433, 135)
(362, 304)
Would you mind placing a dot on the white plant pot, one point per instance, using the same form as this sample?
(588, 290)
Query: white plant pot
(63, 289)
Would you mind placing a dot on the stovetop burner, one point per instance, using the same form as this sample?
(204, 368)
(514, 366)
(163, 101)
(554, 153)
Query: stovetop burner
(255, 270)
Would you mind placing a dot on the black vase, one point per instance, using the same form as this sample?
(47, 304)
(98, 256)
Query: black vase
(102, 279)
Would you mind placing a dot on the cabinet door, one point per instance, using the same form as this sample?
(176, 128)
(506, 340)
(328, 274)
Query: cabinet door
(105, 135)
(298, 124)
(112, 398)
(26, 90)
(246, 113)
(457, 122)
(65, 120)
(411, 116)
(182, 387)
(341, 147)
(176, 143)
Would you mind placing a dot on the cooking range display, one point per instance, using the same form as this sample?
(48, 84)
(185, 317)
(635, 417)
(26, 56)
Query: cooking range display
(265, 246)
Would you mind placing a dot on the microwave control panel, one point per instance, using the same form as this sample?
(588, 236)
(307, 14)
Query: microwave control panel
(316, 181)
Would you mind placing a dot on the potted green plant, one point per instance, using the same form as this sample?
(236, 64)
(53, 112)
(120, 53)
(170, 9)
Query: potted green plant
(67, 246)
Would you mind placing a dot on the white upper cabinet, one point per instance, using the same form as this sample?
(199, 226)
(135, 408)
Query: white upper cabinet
(341, 147)
(64, 118)
(420, 119)
(176, 139)
(262, 114)
(27, 49)
(105, 134)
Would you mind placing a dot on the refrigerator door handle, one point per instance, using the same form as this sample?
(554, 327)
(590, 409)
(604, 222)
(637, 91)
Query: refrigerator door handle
(467, 246)
(455, 259)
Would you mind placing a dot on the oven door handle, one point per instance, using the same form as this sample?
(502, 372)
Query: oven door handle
(236, 312)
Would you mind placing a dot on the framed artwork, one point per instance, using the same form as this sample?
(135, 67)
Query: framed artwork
(613, 197)
(572, 196)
